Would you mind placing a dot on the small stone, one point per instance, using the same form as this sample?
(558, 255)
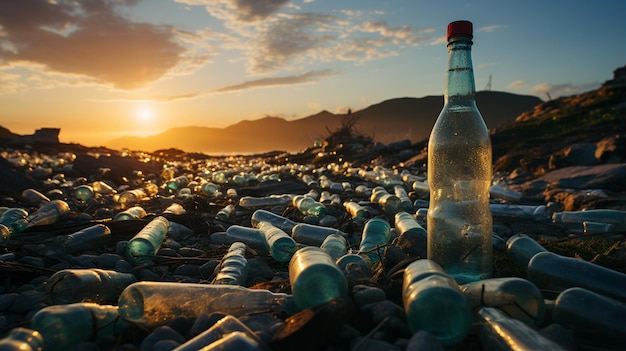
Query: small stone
(86, 261)
(364, 295)
(424, 341)
(362, 344)
(190, 252)
(7, 300)
(259, 268)
(385, 309)
(165, 345)
(206, 270)
(32, 261)
(160, 334)
(107, 260)
(190, 270)
(26, 300)
(123, 266)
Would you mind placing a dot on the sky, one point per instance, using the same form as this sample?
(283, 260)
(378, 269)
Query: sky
(101, 69)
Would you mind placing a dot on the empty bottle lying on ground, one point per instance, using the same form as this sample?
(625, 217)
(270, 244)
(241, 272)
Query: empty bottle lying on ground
(87, 285)
(433, 302)
(143, 246)
(315, 278)
(22, 339)
(152, 304)
(596, 321)
(233, 269)
(221, 329)
(501, 332)
(64, 326)
(554, 273)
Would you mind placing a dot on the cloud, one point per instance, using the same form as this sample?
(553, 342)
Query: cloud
(488, 29)
(304, 78)
(87, 38)
(565, 89)
(308, 77)
(517, 84)
(239, 10)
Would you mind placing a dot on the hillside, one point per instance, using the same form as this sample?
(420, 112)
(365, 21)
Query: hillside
(388, 121)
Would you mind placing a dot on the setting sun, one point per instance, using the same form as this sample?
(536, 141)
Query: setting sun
(144, 115)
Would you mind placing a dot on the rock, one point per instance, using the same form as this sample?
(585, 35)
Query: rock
(161, 334)
(583, 154)
(608, 177)
(424, 341)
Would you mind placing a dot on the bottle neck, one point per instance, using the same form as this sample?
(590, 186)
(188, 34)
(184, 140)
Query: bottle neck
(460, 75)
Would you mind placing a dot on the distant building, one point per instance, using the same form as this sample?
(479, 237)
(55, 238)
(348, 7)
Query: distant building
(41, 136)
(619, 79)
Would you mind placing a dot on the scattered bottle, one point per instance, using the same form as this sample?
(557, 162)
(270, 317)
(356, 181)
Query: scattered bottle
(143, 246)
(501, 332)
(84, 192)
(529, 212)
(34, 197)
(12, 221)
(130, 198)
(309, 206)
(335, 246)
(388, 202)
(278, 221)
(575, 219)
(235, 341)
(88, 238)
(281, 245)
(22, 339)
(233, 270)
(596, 321)
(223, 327)
(173, 185)
(64, 326)
(152, 304)
(517, 297)
(209, 189)
(254, 203)
(49, 213)
(501, 192)
(405, 222)
(315, 278)
(135, 212)
(376, 233)
(460, 171)
(313, 235)
(405, 201)
(554, 273)
(225, 213)
(252, 237)
(355, 210)
(69, 286)
(433, 302)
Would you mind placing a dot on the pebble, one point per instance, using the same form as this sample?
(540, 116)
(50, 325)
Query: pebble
(159, 334)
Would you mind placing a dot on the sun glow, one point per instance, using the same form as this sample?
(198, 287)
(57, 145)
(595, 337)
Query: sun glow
(145, 114)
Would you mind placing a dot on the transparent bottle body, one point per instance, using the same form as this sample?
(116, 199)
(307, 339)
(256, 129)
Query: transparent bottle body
(87, 285)
(315, 278)
(459, 176)
(433, 302)
(153, 304)
(63, 326)
(281, 245)
(279, 221)
(376, 232)
(517, 297)
(313, 235)
(233, 270)
(253, 237)
(147, 242)
(221, 328)
(501, 332)
(335, 246)
(22, 339)
(594, 319)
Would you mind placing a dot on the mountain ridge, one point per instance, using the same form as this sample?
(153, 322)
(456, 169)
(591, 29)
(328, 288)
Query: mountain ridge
(387, 121)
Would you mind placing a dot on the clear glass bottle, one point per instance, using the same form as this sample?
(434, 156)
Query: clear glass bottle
(225, 213)
(575, 219)
(356, 210)
(309, 206)
(143, 246)
(280, 244)
(501, 332)
(48, 213)
(596, 321)
(221, 328)
(235, 341)
(315, 278)
(376, 232)
(233, 270)
(279, 221)
(64, 326)
(554, 273)
(313, 235)
(152, 304)
(253, 237)
(460, 171)
(335, 246)
(433, 302)
(102, 286)
(135, 212)
(405, 222)
(517, 297)
(22, 339)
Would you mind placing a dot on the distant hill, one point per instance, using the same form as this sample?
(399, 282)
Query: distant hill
(388, 121)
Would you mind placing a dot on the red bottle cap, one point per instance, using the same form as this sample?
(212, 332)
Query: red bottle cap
(460, 29)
